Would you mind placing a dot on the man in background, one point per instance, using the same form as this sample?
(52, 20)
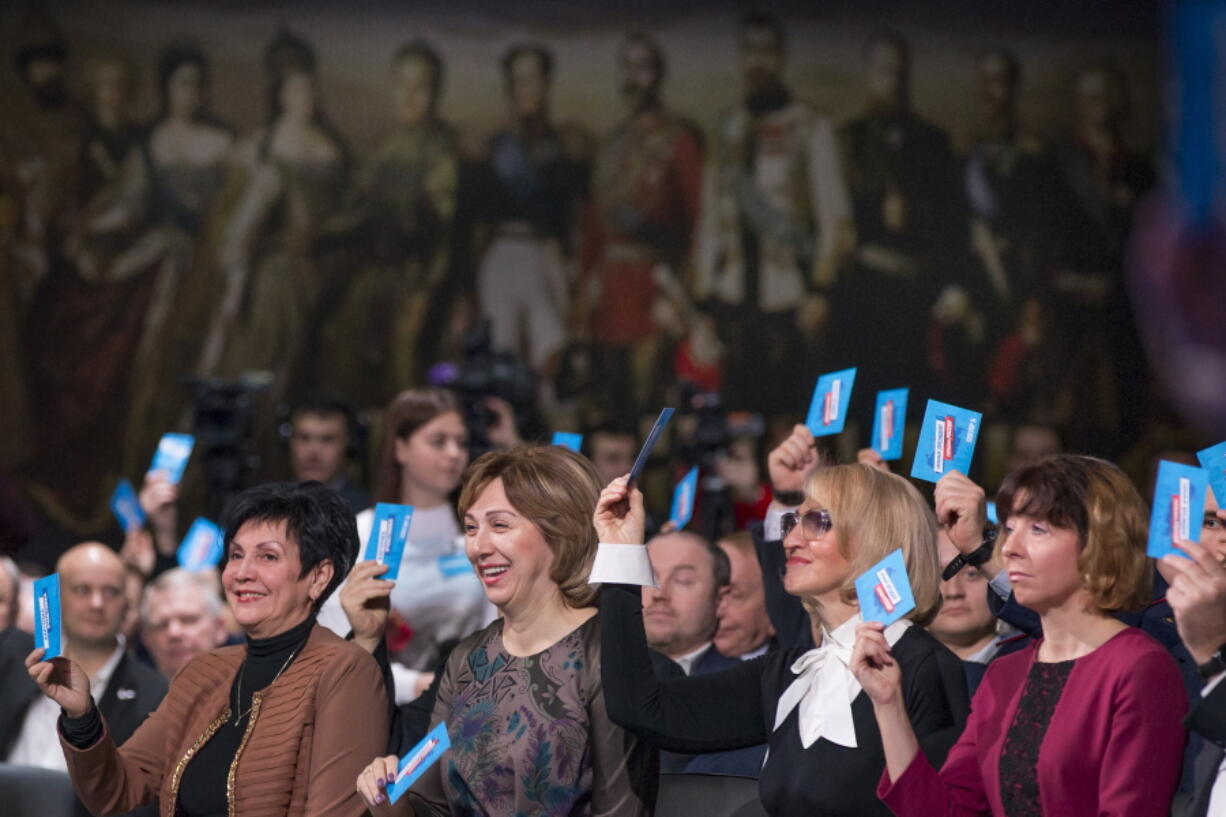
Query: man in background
(181, 617)
(744, 629)
(321, 436)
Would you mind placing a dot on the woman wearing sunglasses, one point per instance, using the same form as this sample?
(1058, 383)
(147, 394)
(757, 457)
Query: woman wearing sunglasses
(1087, 720)
(825, 751)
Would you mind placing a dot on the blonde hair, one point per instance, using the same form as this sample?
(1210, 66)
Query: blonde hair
(874, 514)
(556, 490)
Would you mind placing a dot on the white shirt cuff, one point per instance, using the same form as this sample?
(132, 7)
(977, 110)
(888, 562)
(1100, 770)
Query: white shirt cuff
(406, 682)
(1000, 585)
(622, 564)
(1213, 682)
(772, 525)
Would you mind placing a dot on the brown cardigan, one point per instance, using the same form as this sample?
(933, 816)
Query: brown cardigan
(308, 737)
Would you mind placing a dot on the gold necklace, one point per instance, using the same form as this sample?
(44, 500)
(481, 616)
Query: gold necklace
(238, 693)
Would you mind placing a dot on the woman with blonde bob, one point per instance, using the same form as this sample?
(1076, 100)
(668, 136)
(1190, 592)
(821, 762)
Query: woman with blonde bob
(1087, 720)
(522, 698)
(824, 749)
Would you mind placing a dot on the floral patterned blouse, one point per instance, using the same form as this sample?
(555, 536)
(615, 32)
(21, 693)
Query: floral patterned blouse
(530, 736)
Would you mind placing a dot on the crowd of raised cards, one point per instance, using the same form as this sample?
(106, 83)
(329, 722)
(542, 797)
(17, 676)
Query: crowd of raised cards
(518, 635)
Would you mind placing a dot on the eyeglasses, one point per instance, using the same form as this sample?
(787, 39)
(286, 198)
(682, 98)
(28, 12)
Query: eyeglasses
(813, 524)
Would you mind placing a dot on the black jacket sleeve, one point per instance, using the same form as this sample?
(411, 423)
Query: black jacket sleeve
(787, 614)
(1208, 717)
(937, 700)
(705, 713)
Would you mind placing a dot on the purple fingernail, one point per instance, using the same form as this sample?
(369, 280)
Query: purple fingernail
(378, 799)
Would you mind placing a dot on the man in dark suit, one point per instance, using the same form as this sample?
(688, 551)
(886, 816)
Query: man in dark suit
(93, 605)
(679, 614)
(1197, 596)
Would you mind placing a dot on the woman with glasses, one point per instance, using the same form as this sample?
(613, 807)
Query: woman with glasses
(825, 752)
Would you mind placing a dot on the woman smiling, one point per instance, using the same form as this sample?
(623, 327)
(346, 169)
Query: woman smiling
(275, 727)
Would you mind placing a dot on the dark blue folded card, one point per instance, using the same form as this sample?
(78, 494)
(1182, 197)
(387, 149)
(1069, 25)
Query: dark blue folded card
(1179, 508)
(884, 590)
(683, 499)
(640, 462)
(828, 408)
(126, 506)
(420, 758)
(890, 422)
(388, 535)
(174, 450)
(1213, 460)
(946, 441)
(202, 547)
(47, 632)
(568, 439)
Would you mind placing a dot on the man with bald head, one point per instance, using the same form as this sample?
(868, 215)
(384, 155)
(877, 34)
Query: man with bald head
(93, 605)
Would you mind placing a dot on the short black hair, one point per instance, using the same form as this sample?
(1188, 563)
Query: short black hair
(419, 49)
(316, 517)
(326, 404)
(611, 428)
(765, 20)
(544, 58)
(653, 48)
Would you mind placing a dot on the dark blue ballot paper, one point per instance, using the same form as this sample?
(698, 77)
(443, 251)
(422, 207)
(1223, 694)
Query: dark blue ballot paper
(683, 499)
(1179, 508)
(884, 591)
(890, 422)
(202, 547)
(946, 441)
(1213, 460)
(650, 443)
(388, 535)
(828, 408)
(568, 439)
(174, 450)
(126, 506)
(421, 757)
(47, 632)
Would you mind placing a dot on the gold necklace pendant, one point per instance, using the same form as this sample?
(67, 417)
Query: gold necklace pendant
(239, 714)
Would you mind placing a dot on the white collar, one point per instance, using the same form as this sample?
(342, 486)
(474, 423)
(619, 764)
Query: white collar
(825, 685)
(102, 678)
(686, 662)
(756, 652)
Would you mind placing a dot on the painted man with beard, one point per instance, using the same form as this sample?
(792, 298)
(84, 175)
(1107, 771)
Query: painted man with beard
(775, 215)
(647, 188)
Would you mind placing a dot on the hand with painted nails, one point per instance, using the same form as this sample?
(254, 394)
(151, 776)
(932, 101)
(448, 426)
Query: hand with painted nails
(374, 783)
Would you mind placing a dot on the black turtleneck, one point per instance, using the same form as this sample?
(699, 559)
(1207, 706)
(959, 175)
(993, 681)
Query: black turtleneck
(202, 792)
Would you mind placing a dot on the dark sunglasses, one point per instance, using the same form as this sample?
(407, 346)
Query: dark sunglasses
(813, 524)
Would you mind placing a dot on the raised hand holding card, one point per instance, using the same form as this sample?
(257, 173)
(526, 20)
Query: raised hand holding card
(1179, 507)
(568, 439)
(828, 408)
(418, 759)
(1213, 460)
(388, 535)
(889, 423)
(683, 499)
(47, 627)
(126, 506)
(946, 441)
(174, 450)
(884, 591)
(202, 547)
(640, 461)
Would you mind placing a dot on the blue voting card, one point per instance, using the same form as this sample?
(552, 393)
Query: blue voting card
(455, 564)
(992, 515)
(126, 506)
(946, 441)
(47, 627)
(568, 439)
(1213, 460)
(202, 547)
(172, 455)
(683, 499)
(420, 758)
(890, 423)
(388, 535)
(641, 461)
(828, 408)
(884, 590)
(1179, 507)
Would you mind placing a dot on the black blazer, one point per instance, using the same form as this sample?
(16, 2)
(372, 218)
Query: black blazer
(1208, 719)
(133, 692)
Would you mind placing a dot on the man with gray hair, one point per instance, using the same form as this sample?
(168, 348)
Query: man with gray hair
(180, 618)
(10, 592)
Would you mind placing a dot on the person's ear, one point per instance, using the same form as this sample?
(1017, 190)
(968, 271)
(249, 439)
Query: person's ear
(322, 575)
